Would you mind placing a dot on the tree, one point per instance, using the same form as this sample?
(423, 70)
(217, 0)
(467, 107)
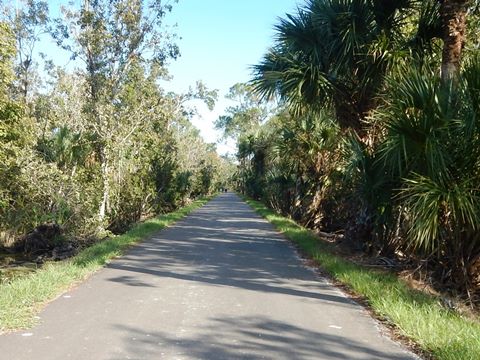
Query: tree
(7, 53)
(114, 38)
(10, 131)
(245, 116)
(28, 22)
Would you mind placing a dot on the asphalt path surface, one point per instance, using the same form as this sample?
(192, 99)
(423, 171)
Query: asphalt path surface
(219, 284)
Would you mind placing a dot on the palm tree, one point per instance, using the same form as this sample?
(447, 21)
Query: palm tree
(335, 53)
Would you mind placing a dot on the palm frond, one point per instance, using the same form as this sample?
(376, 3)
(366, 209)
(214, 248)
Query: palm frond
(417, 119)
(297, 81)
(439, 206)
(429, 27)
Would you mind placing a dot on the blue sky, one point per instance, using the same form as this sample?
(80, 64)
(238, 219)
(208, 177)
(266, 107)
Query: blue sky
(221, 39)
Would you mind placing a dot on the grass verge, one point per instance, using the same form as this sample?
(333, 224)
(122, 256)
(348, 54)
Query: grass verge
(436, 330)
(21, 299)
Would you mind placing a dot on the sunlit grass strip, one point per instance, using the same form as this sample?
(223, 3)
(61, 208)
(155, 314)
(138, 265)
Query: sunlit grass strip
(22, 298)
(443, 333)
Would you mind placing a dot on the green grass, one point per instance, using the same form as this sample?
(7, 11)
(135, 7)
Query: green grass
(441, 332)
(22, 298)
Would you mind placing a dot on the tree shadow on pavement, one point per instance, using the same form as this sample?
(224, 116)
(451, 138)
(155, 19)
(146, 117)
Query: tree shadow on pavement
(234, 338)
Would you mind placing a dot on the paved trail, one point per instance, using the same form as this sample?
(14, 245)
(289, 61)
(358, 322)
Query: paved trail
(220, 284)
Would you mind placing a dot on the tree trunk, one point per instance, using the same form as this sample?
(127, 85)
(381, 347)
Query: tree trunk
(347, 117)
(454, 14)
(106, 185)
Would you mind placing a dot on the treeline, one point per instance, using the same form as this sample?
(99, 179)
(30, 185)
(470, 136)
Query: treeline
(377, 131)
(97, 145)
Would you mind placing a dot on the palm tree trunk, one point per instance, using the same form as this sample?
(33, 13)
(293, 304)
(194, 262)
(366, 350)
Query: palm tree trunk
(454, 14)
